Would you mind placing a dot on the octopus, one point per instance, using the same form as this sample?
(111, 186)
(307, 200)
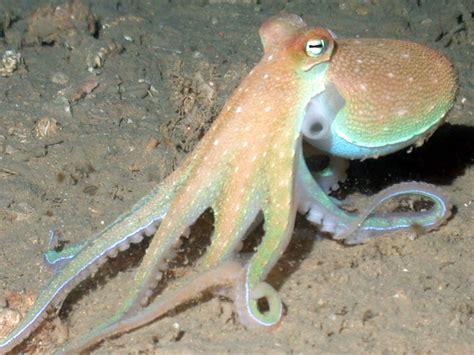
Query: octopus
(348, 98)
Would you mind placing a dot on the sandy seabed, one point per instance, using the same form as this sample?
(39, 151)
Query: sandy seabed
(102, 107)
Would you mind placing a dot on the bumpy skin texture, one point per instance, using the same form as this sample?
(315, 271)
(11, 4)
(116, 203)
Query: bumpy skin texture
(394, 100)
(250, 163)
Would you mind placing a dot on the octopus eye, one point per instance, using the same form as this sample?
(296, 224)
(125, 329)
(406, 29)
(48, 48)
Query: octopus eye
(315, 47)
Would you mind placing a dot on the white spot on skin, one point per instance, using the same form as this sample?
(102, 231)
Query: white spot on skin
(391, 75)
(216, 142)
(282, 183)
(363, 87)
(238, 109)
(405, 55)
(267, 109)
(270, 57)
(265, 76)
(360, 61)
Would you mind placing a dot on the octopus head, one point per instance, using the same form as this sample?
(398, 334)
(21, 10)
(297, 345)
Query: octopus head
(379, 96)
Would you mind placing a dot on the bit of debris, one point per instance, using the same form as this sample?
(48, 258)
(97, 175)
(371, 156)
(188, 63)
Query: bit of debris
(86, 88)
(8, 320)
(134, 167)
(44, 339)
(195, 99)
(16, 306)
(138, 90)
(463, 29)
(60, 78)
(47, 127)
(58, 24)
(174, 334)
(11, 60)
(151, 144)
(97, 59)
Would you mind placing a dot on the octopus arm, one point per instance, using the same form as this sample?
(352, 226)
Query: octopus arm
(225, 275)
(335, 173)
(143, 219)
(279, 212)
(369, 225)
(193, 197)
(321, 210)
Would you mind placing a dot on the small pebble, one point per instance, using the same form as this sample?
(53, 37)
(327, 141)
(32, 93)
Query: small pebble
(136, 91)
(60, 78)
(46, 127)
(151, 144)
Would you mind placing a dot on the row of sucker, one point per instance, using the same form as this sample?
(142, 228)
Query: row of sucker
(327, 223)
(94, 266)
(162, 267)
(417, 188)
